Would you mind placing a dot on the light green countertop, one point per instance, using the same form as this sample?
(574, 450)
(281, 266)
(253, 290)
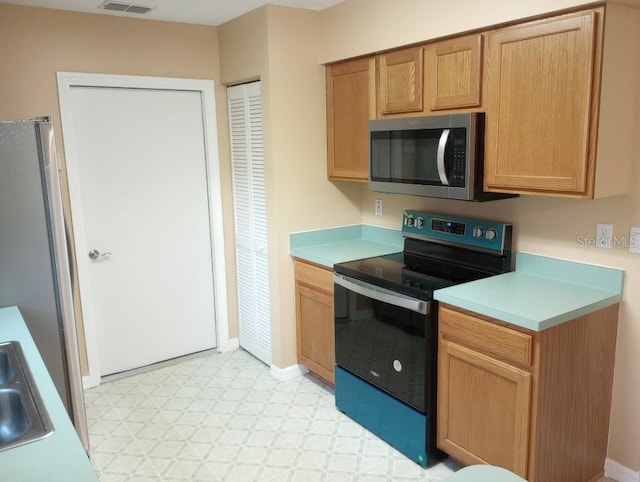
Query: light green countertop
(541, 293)
(58, 457)
(336, 245)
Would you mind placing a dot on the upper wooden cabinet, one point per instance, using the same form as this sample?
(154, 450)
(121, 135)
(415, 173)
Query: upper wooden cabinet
(540, 77)
(350, 105)
(560, 96)
(392, 85)
(453, 73)
(400, 82)
(447, 74)
(557, 122)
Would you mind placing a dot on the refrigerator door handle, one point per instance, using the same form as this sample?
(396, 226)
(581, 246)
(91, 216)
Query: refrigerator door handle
(62, 276)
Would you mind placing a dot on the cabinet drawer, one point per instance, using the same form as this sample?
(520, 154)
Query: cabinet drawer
(314, 276)
(487, 337)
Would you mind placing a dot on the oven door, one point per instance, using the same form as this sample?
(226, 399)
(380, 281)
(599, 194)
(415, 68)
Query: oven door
(385, 338)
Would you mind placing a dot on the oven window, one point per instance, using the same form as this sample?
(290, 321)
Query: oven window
(382, 344)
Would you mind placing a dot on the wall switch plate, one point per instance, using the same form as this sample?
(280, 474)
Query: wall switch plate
(604, 235)
(378, 207)
(634, 240)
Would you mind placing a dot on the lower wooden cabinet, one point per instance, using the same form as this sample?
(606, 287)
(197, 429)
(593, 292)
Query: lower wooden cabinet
(482, 398)
(314, 319)
(536, 403)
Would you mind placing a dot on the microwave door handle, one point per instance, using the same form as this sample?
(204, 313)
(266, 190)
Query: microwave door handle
(381, 294)
(442, 145)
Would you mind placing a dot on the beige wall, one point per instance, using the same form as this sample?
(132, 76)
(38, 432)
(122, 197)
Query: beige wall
(546, 226)
(243, 51)
(36, 43)
(359, 27)
(279, 46)
(284, 48)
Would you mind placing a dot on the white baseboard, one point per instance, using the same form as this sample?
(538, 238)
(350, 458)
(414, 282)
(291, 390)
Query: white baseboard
(230, 344)
(89, 382)
(619, 472)
(289, 373)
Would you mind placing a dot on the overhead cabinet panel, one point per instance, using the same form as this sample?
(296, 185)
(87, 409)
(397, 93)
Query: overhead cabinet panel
(400, 82)
(540, 76)
(350, 105)
(453, 71)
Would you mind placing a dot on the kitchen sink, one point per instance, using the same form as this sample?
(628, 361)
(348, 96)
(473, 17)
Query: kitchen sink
(6, 368)
(14, 422)
(23, 416)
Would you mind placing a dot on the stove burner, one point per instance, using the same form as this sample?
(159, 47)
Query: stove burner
(423, 282)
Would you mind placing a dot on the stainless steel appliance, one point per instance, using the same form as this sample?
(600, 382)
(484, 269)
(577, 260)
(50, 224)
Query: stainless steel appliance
(34, 262)
(435, 156)
(386, 324)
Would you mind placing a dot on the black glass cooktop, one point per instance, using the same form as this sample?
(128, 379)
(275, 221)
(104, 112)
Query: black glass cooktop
(407, 274)
(390, 272)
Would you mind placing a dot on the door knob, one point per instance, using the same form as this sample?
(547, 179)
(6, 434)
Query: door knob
(95, 254)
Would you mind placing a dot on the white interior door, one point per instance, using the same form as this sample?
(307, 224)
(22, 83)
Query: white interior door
(142, 181)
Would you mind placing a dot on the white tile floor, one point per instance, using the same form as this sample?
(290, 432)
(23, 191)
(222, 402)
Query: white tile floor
(223, 417)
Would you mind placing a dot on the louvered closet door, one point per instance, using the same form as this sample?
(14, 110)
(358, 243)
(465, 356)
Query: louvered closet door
(250, 216)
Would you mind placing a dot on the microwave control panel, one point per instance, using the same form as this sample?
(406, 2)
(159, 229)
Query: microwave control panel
(458, 156)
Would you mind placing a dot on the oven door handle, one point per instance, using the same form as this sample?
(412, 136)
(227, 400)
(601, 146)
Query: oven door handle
(382, 294)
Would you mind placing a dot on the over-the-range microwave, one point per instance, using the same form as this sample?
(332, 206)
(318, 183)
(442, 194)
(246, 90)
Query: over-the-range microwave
(435, 156)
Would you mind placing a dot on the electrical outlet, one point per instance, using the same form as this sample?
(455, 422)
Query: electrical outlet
(604, 235)
(378, 207)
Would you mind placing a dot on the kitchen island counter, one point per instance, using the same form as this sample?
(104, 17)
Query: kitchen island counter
(542, 292)
(60, 456)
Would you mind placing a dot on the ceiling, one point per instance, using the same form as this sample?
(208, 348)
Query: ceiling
(204, 12)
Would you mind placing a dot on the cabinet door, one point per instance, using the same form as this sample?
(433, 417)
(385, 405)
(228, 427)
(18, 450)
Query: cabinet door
(539, 103)
(314, 319)
(483, 408)
(350, 105)
(400, 82)
(453, 72)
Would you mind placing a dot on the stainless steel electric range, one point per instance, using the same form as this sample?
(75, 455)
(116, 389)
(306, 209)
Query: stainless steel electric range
(386, 324)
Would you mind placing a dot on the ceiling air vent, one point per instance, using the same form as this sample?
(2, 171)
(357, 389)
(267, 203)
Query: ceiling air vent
(124, 7)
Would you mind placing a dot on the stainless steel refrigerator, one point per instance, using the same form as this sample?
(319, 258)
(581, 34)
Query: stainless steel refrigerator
(35, 273)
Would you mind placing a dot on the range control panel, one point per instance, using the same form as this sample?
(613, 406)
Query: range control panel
(480, 234)
(446, 226)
